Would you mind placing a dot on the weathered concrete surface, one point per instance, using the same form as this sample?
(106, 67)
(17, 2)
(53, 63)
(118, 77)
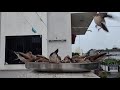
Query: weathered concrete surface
(32, 74)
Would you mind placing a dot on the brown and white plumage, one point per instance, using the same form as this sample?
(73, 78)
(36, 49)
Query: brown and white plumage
(67, 59)
(54, 57)
(99, 20)
(25, 57)
(29, 57)
(41, 58)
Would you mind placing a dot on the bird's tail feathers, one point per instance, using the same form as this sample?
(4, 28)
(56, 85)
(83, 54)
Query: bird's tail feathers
(104, 27)
(56, 51)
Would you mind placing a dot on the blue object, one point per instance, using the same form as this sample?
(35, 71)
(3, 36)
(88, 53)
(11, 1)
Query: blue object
(34, 30)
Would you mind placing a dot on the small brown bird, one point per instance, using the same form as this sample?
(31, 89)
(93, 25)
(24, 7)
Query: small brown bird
(99, 19)
(41, 58)
(96, 57)
(78, 59)
(54, 57)
(25, 57)
(67, 59)
(29, 57)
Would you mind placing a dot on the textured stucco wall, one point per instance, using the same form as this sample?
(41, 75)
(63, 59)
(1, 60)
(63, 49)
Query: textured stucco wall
(21, 23)
(59, 27)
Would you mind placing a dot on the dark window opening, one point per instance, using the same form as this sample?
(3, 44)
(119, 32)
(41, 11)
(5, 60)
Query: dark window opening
(23, 44)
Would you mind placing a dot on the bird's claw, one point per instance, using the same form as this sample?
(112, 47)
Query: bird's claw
(99, 29)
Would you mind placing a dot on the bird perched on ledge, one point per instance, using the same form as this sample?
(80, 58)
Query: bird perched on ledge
(99, 19)
(54, 57)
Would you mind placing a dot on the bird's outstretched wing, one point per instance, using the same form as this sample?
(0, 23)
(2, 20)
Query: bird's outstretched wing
(104, 15)
(104, 27)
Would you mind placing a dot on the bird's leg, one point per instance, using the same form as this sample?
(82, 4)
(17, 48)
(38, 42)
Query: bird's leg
(99, 29)
(96, 26)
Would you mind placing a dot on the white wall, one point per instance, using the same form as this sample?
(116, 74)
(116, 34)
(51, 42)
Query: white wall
(59, 25)
(16, 23)
(0, 35)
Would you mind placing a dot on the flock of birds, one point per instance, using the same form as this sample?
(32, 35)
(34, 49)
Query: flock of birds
(55, 58)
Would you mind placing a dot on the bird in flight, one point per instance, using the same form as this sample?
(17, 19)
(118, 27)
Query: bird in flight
(99, 20)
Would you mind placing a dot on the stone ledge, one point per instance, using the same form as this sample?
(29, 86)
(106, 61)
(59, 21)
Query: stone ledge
(31, 74)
